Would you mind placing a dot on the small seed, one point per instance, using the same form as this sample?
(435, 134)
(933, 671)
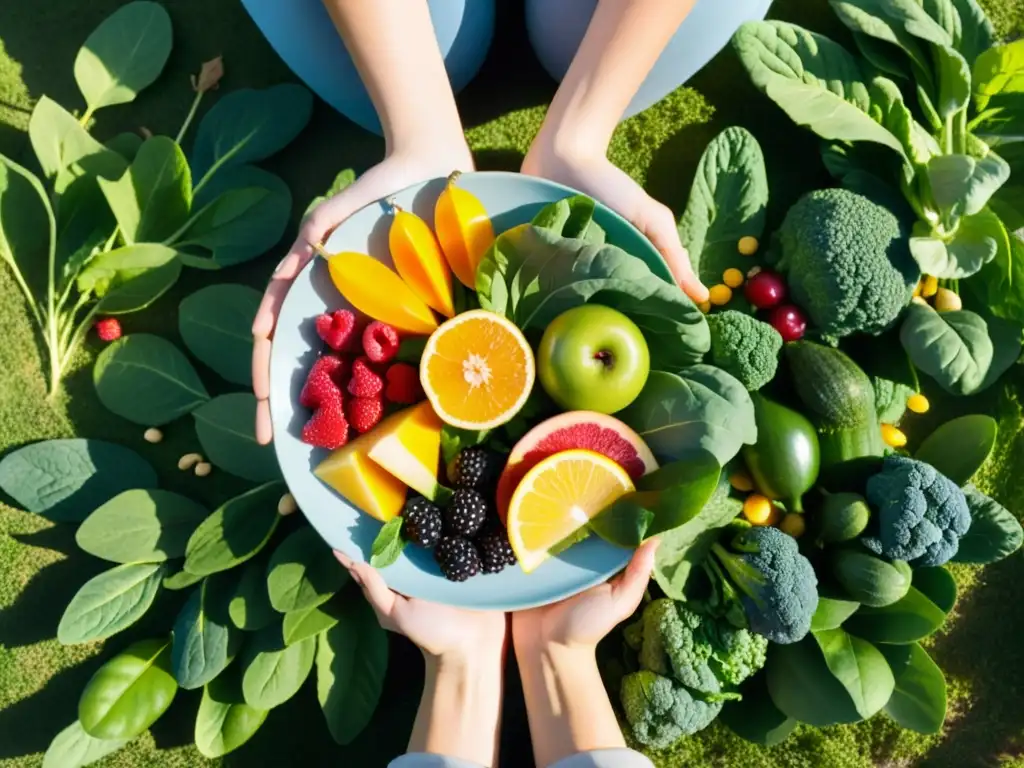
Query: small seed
(287, 505)
(189, 460)
(203, 468)
(152, 435)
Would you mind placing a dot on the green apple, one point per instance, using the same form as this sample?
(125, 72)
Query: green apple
(593, 358)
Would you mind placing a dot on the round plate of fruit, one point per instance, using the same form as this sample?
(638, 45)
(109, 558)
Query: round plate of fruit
(460, 384)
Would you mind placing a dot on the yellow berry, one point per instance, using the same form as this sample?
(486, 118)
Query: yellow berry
(748, 245)
(947, 301)
(917, 289)
(732, 278)
(720, 295)
(741, 481)
(893, 437)
(793, 524)
(929, 286)
(758, 509)
(918, 403)
(705, 306)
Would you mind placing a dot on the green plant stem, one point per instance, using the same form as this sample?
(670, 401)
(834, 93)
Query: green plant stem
(172, 239)
(188, 118)
(68, 323)
(78, 335)
(219, 162)
(86, 116)
(30, 300)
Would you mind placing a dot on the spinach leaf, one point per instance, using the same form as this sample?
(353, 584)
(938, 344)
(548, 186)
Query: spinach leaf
(999, 286)
(303, 572)
(999, 71)
(886, 57)
(226, 429)
(994, 533)
(571, 217)
(73, 747)
(859, 667)
(110, 602)
(271, 671)
(974, 245)
(235, 532)
(953, 348)
(976, 32)
(962, 185)
(960, 447)
(728, 201)
(954, 74)
(224, 721)
(918, 700)
(700, 408)
(911, 618)
(945, 14)
(388, 545)
(803, 687)
(832, 612)
(205, 640)
(754, 717)
(307, 622)
(65, 150)
(249, 607)
(900, 16)
(937, 584)
(215, 323)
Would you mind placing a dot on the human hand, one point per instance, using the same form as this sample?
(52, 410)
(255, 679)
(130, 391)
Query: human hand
(396, 172)
(593, 174)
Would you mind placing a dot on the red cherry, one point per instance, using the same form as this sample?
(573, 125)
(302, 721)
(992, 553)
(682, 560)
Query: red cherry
(789, 321)
(766, 289)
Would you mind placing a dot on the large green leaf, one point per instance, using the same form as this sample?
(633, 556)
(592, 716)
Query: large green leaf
(960, 447)
(815, 81)
(919, 700)
(65, 149)
(249, 125)
(803, 688)
(235, 532)
(953, 348)
(902, 17)
(938, 585)
(109, 603)
(571, 217)
(754, 717)
(728, 201)
(148, 364)
(226, 430)
(963, 185)
(130, 692)
(74, 748)
(351, 660)
(271, 671)
(133, 292)
(215, 323)
(860, 669)
(303, 572)
(994, 533)
(1000, 284)
(974, 245)
(954, 80)
(27, 228)
(832, 612)
(976, 32)
(307, 622)
(702, 407)
(205, 640)
(130, 278)
(124, 54)
(911, 618)
(140, 526)
(999, 71)
(151, 200)
(250, 607)
(65, 480)
(224, 721)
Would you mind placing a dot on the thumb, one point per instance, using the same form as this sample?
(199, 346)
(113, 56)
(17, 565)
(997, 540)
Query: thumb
(376, 591)
(628, 589)
(663, 234)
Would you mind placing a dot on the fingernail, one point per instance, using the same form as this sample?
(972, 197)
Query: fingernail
(280, 264)
(344, 559)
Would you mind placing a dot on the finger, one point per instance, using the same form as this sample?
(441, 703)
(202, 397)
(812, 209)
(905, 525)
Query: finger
(628, 589)
(261, 348)
(662, 232)
(266, 316)
(376, 591)
(264, 427)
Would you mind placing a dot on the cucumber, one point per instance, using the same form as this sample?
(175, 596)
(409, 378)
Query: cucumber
(784, 461)
(869, 579)
(842, 517)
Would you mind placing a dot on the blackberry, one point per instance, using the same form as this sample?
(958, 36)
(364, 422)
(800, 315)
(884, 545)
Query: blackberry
(476, 467)
(458, 558)
(422, 522)
(465, 514)
(495, 551)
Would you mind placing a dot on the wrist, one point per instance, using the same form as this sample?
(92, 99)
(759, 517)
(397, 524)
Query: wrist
(562, 140)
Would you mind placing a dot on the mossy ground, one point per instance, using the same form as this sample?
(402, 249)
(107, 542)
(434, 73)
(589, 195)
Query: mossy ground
(40, 567)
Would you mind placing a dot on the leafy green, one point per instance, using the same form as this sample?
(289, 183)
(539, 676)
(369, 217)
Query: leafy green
(571, 217)
(272, 672)
(974, 245)
(205, 641)
(962, 185)
(994, 533)
(307, 622)
(250, 607)
(224, 721)
(65, 150)
(859, 667)
(388, 545)
(74, 748)
(803, 687)
(918, 701)
(937, 584)
(953, 348)
(215, 323)
(235, 532)
(999, 71)
(999, 285)
(832, 612)
(754, 717)
(226, 427)
(911, 618)
(303, 572)
(109, 603)
(960, 447)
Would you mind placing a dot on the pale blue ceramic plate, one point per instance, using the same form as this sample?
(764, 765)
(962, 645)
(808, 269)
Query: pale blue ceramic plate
(510, 199)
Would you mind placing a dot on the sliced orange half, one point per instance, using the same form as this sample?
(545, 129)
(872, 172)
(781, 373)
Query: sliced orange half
(559, 496)
(477, 370)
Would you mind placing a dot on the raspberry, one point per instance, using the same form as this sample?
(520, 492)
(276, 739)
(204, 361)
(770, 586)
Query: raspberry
(364, 413)
(457, 557)
(327, 428)
(466, 513)
(495, 551)
(422, 522)
(475, 467)
(380, 342)
(108, 328)
(365, 381)
(338, 330)
(403, 384)
(323, 382)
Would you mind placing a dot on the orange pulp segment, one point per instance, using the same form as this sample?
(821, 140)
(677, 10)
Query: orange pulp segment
(464, 230)
(558, 496)
(377, 291)
(477, 370)
(419, 261)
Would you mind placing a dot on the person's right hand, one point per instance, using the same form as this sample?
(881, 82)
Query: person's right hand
(398, 171)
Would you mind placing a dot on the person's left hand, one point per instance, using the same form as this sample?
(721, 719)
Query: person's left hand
(440, 631)
(598, 177)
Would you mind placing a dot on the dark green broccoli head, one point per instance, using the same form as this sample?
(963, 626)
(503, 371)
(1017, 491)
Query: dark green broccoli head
(745, 347)
(660, 711)
(775, 583)
(921, 513)
(890, 399)
(847, 262)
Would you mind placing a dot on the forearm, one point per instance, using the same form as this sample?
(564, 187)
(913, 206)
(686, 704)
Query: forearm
(621, 45)
(460, 712)
(394, 48)
(566, 703)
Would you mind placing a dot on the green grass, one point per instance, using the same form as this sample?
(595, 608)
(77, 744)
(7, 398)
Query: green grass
(40, 568)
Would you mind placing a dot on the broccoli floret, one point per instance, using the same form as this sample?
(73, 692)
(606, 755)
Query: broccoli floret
(633, 634)
(776, 585)
(738, 654)
(660, 711)
(921, 513)
(745, 347)
(890, 399)
(847, 261)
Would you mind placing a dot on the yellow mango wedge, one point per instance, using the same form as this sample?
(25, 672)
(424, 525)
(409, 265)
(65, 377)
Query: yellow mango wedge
(377, 291)
(367, 485)
(464, 230)
(419, 261)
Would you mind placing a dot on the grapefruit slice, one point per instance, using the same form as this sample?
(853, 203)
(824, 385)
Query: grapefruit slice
(558, 497)
(408, 445)
(576, 429)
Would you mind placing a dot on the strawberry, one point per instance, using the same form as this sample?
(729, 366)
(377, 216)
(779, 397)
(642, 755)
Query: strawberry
(365, 381)
(364, 413)
(403, 384)
(380, 342)
(338, 330)
(328, 427)
(324, 381)
(108, 328)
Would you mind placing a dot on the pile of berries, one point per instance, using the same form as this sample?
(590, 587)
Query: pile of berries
(349, 386)
(466, 535)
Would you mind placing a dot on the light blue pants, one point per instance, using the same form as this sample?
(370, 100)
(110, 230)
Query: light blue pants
(302, 34)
